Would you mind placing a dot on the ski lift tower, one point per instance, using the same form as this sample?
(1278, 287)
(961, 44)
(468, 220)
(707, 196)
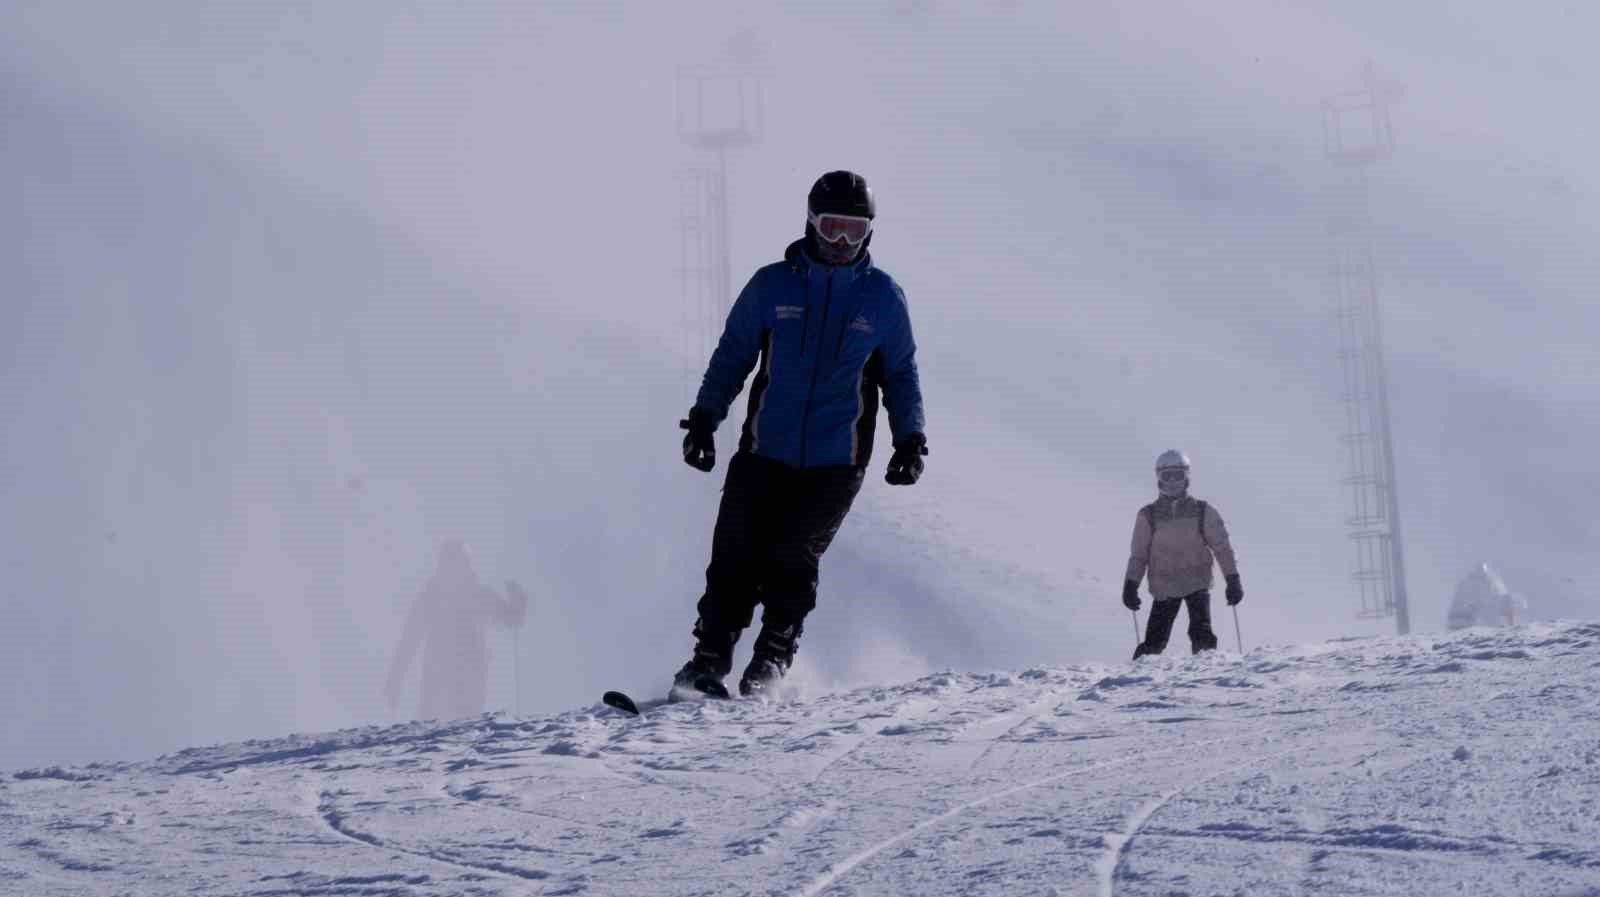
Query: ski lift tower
(1357, 135)
(719, 112)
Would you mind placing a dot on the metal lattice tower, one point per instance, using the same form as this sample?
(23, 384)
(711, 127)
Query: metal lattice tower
(719, 111)
(1357, 134)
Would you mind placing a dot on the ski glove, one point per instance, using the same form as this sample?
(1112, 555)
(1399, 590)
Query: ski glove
(1235, 591)
(699, 449)
(905, 466)
(1130, 594)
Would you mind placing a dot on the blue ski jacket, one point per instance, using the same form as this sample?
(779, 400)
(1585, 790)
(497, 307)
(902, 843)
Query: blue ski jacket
(828, 338)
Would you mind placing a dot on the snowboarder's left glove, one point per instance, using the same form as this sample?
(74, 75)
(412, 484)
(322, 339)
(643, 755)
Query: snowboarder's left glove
(699, 449)
(905, 466)
(1235, 591)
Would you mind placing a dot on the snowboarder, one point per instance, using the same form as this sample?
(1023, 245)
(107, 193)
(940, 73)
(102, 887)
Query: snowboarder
(830, 330)
(1482, 599)
(1176, 538)
(448, 622)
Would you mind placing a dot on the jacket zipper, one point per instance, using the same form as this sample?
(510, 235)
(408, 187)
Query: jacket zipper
(816, 364)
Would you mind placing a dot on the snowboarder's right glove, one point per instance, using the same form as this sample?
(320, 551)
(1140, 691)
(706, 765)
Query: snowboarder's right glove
(1235, 591)
(699, 449)
(905, 466)
(1130, 594)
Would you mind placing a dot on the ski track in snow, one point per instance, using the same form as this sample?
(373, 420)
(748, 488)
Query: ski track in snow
(327, 809)
(838, 870)
(1117, 845)
(1373, 768)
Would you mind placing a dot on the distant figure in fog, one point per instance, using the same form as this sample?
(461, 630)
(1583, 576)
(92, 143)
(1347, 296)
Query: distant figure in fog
(1482, 599)
(1176, 540)
(448, 621)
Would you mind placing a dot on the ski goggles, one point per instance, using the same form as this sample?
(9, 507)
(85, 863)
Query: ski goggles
(852, 229)
(1173, 475)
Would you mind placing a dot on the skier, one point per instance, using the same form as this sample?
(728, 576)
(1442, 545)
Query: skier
(448, 621)
(1176, 538)
(1482, 599)
(830, 329)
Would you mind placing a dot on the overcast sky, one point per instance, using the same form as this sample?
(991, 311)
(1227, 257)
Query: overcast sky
(297, 290)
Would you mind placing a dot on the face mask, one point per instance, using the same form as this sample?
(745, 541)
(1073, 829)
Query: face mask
(1172, 481)
(840, 253)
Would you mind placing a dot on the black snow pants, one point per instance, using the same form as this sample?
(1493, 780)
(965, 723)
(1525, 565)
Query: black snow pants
(772, 528)
(1164, 611)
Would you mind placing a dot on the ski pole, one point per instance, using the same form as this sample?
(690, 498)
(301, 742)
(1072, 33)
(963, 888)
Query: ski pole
(1237, 639)
(516, 672)
(1136, 638)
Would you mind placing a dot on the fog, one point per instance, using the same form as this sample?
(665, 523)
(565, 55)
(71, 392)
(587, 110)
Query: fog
(296, 291)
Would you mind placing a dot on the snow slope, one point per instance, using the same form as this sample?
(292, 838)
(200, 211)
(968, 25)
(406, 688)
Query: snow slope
(1468, 764)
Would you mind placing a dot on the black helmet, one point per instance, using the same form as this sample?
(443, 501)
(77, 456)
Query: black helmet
(842, 193)
(838, 193)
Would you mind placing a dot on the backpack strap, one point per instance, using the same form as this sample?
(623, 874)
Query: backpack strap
(1203, 522)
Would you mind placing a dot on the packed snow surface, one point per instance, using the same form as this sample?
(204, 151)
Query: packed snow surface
(1467, 764)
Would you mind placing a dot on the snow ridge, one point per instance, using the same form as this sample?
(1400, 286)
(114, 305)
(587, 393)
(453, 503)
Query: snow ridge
(1385, 766)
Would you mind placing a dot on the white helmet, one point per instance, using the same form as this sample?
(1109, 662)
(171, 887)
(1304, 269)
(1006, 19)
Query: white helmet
(1172, 458)
(1172, 473)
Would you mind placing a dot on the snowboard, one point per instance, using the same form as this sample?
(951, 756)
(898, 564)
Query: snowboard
(715, 690)
(620, 701)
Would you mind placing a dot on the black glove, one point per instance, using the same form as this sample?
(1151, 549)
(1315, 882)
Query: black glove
(905, 466)
(1235, 591)
(699, 449)
(1130, 594)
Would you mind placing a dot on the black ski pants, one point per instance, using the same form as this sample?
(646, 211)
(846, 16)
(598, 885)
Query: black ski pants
(774, 524)
(1164, 612)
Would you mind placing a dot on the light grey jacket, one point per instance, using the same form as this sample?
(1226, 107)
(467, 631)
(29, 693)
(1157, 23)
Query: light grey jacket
(1175, 540)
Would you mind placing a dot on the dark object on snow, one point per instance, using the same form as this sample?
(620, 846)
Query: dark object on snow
(761, 676)
(696, 677)
(620, 701)
(1164, 611)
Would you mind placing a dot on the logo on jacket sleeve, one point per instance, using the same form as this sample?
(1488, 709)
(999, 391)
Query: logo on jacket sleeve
(791, 312)
(862, 324)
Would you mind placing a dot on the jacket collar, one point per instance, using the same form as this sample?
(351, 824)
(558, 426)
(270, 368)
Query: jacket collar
(797, 256)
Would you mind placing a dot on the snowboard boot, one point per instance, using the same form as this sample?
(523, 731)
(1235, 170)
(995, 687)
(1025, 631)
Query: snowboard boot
(712, 660)
(761, 677)
(774, 653)
(698, 676)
